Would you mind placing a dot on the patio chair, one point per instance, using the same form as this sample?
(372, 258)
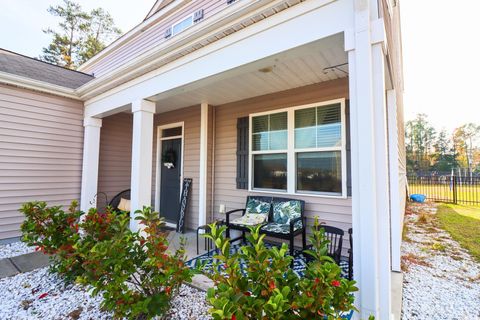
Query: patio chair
(350, 255)
(335, 236)
(257, 210)
(287, 221)
(115, 202)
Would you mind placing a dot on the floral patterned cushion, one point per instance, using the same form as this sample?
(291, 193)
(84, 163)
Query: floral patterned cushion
(255, 206)
(285, 211)
(281, 227)
(250, 219)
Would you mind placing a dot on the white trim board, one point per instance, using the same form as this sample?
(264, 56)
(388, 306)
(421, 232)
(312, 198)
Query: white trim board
(158, 164)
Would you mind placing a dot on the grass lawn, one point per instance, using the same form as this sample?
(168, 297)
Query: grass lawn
(463, 223)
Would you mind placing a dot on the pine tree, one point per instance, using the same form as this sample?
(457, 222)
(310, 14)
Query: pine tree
(101, 31)
(80, 35)
(67, 41)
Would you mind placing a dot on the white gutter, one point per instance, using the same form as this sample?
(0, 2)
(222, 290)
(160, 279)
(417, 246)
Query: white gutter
(27, 83)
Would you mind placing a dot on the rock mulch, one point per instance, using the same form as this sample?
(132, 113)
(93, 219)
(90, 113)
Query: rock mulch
(42, 295)
(441, 280)
(14, 249)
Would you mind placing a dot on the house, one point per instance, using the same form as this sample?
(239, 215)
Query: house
(281, 97)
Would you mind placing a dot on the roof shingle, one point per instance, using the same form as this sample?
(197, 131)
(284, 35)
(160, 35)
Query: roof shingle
(17, 64)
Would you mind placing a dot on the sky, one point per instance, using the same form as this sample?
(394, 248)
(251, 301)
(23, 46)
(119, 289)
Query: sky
(441, 46)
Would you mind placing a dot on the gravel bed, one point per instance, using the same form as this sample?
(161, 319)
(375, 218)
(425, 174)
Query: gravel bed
(441, 280)
(14, 249)
(42, 295)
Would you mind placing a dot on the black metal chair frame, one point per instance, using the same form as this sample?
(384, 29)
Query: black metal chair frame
(208, 245)
(125, 194)
(335, 236)
(285, 236)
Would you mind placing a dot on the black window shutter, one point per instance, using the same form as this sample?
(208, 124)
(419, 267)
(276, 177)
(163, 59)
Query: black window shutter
(242, 153)
(348, 147)
(198, 15)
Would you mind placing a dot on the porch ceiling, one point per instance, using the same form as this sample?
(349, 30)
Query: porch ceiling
(290, 69)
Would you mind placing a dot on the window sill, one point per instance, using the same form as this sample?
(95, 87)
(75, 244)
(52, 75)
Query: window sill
(299, 194)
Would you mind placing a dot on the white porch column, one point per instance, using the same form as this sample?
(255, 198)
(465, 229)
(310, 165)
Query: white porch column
(370, 192)
(91, 152)
(142, 145)
(396, 223)
(202, 184)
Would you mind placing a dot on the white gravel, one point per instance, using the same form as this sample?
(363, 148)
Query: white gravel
(439, 282)
(14, 249)
(21, 298)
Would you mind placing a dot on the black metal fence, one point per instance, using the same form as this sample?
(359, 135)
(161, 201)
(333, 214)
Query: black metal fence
(447, 188)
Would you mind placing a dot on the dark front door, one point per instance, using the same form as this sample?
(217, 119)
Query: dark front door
(170, 179)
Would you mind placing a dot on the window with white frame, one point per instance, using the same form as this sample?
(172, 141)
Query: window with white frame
(299, 150)
(182, 25)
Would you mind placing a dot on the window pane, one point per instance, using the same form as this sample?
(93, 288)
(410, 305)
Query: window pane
(260, 124)
(182, 25)
(278, 121)
(305, 133)
(319, 171)
(329, 126)
(260, 141)
(172, 132)
(278, 140)
(270, 171)
(269, 132)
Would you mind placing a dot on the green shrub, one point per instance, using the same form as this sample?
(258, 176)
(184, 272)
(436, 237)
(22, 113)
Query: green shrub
(54, 232)
(133, 271)
(268, 288)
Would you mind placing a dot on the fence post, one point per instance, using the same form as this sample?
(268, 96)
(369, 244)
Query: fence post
(455, 189)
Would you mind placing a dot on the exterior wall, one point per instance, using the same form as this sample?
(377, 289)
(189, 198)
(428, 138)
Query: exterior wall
(191, 155)
(41, 143)
(332, 211)
(115, 161)
(391, 15)
(152, 37)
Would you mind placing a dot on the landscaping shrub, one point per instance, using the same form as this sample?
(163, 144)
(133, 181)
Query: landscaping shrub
(132, 270)
(268, 288)
(54, 232)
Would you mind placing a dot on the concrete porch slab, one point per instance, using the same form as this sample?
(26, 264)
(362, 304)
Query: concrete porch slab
(7, 268)
(30, 261)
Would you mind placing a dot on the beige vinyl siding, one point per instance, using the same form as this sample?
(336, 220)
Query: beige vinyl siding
(41, 146)
(333, 211)
(152, 37)
(115, 161)
(191, 154)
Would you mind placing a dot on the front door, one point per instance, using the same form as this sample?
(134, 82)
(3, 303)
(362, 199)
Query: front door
(170, 166)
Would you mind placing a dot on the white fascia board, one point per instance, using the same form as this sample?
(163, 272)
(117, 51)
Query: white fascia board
(281, 32)
(41, 86)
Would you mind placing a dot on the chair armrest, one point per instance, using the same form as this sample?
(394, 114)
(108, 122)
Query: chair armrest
(232, 211)
(292, 223)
